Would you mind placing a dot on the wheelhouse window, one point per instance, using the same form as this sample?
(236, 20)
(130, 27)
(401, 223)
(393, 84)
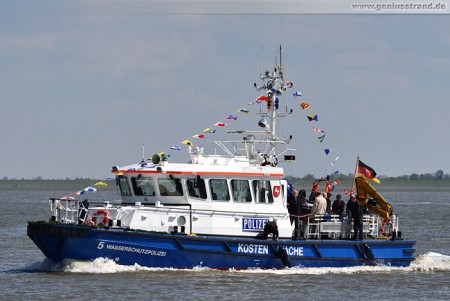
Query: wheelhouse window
(241, 191)
(170, 186)
(123, 186)
(219, 190)
(143, 186)
(263, 191)
(196, 188)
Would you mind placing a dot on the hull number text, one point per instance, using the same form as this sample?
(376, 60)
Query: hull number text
(142, 251)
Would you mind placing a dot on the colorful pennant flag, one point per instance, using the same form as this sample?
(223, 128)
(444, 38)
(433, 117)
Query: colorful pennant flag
(100, 184)
(334, 161)
(313, 117)
(305, 105)
(321, 138)
(175, 147)
(297, 94)
(231, 117)
(220, 124)
(199, 136)
(328, 151)
(87, 189)
(289, 84)
(244, 110)
(349, 192)
(318, 130)
(263, 98)
(209, 131)
(187, 142)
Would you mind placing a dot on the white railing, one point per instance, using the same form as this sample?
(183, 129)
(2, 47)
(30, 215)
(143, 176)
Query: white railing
(334, 226)
(64, 210)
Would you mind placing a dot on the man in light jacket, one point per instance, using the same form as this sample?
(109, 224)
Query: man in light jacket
(320, 204)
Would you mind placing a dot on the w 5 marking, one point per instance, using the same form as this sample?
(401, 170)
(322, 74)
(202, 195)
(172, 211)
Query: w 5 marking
(101, 245)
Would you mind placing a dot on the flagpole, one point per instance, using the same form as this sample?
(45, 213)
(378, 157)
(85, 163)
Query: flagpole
(354, 174)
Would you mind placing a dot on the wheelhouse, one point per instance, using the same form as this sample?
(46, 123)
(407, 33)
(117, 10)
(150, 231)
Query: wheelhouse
(148, 189)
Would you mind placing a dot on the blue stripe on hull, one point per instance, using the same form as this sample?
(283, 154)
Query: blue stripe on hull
(180, 251)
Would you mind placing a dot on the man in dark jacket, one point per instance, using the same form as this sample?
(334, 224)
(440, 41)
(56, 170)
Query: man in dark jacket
(292, 205)
(338, 205)
(270, 228)
(302, 210)
(356, 211)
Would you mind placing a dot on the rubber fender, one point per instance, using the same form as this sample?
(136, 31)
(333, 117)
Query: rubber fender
(284, 257)
(368, 253)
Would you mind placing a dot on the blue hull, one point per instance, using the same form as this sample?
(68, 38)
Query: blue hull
(58, 241)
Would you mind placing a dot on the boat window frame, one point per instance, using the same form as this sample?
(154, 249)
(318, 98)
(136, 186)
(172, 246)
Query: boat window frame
(269, 197)
(212, 193)
(236, 191)
(123, 180)
(283, 191)
(165, 188)
(198, 190)
(136, 187)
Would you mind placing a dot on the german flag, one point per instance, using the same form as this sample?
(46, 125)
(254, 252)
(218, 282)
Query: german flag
(367, 172)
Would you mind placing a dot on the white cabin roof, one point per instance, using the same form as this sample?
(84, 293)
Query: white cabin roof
(223, 166)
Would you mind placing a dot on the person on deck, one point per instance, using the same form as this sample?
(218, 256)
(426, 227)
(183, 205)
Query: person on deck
(328, 198)
(303, 206)
(303, 210)
(270, 228)
(292, 205)
(314, 190)
(320, 204)
(319, 207)
(356, 211)
(329, 185)
(338, 205)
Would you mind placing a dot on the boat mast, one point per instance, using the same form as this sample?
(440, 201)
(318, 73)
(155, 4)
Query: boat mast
(278, 85)
(273, 85)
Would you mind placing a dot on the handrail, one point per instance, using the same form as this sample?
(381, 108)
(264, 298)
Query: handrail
(332, 225)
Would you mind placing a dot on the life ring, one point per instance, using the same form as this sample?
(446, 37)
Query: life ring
(382, 228)
(105, 219)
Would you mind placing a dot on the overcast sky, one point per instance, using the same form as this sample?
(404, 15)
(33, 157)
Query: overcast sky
(85, 83)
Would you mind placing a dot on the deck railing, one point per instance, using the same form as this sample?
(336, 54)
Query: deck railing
(331, 226)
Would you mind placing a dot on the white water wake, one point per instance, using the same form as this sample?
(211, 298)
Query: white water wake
(429, 262)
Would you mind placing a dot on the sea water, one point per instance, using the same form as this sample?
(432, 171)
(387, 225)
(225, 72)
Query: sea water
(26, 275)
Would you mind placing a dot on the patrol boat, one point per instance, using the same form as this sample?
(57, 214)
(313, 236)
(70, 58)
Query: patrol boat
(208, 212)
